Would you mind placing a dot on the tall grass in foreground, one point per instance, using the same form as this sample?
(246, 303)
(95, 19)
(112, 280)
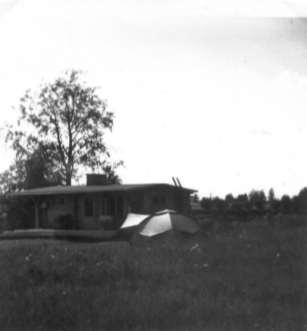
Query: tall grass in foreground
(251, 277)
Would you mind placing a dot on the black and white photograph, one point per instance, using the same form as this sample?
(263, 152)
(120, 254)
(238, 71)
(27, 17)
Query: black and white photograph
(153, 170)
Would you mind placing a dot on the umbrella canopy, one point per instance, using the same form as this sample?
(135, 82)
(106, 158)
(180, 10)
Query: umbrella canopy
(133, 220)
(166, 220)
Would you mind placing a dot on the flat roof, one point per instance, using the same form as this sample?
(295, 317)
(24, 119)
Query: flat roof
(55, 190)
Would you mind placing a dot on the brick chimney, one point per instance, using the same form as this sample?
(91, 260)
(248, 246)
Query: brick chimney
(96, 179)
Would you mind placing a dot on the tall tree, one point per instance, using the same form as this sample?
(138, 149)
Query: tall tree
(257, 199)
(36, 170)
(285, 204)
(110, 170)
(242, 202)
(229, 198)
(242, 198)
(274, 203)
(206, 203)
(219, 204)
(302, 200)
(69, 119)
(271, 197)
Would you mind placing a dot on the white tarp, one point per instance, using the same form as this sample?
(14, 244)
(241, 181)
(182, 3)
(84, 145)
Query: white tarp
(166, 220)
(133, 220)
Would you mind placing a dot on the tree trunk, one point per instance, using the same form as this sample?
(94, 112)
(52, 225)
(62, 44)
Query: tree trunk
(68, 180)
(68, 175)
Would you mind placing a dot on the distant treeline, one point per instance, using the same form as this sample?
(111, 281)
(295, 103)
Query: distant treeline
(256, 202)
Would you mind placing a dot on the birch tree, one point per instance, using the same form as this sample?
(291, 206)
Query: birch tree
(67, 117)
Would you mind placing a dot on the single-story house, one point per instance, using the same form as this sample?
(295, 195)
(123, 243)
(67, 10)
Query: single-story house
(98, 201)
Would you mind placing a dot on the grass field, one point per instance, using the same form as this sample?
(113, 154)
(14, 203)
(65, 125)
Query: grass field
(247, 277)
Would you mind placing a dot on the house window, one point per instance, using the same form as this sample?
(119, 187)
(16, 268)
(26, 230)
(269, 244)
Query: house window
(113, 206)
(110, 206)
(88, 207)
(158, 201)
(120, 206)
(61, 201)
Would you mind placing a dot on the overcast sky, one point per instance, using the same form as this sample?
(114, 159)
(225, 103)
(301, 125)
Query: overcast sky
(211, 92)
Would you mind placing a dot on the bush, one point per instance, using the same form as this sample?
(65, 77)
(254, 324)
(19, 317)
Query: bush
(20, 213)
(67, 222)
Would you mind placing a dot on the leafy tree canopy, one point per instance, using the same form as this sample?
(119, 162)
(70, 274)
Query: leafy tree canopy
(206, 203)
(229, 198)
(302, 200)
(257, 199)
(242, 198)
(271, 195)
(36, 170)
(64, 123)
(285, 204)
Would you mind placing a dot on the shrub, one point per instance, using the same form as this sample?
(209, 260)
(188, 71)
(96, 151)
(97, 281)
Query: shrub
(20, 213)
(67, 222)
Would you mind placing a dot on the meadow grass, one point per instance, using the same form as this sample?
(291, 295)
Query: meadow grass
(248, 277)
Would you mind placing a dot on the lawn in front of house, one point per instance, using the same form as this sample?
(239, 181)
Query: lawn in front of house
(250, 277)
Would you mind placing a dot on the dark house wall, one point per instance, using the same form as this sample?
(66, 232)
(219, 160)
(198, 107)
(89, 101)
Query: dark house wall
(153, 200)
(94, 211)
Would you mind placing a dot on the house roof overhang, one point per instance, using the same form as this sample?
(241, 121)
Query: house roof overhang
(81, 189)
